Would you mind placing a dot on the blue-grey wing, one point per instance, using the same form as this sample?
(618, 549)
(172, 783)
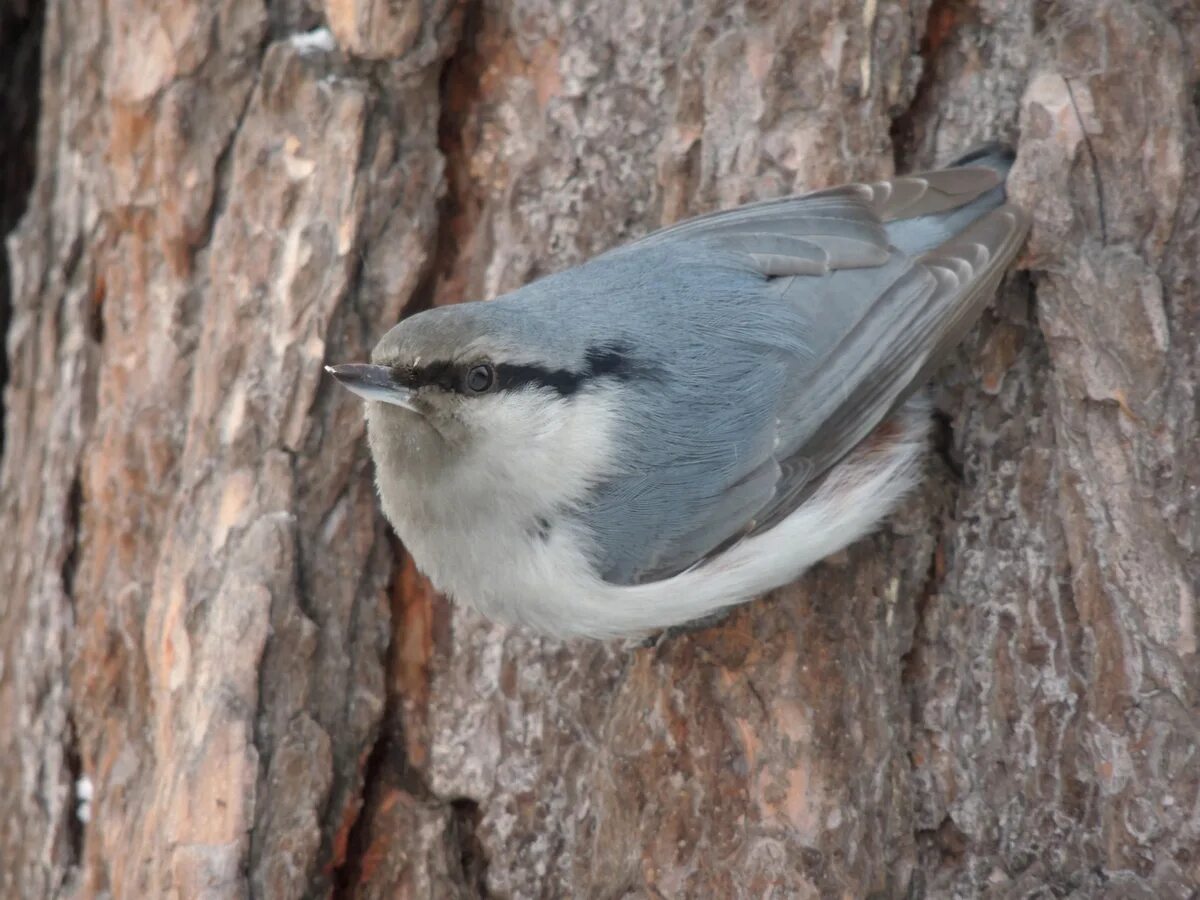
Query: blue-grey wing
(790, 330)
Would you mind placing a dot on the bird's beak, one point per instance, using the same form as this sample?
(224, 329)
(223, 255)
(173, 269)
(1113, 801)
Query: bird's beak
(373, 383)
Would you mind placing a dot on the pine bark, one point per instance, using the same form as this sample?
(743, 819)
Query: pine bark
(221, 676)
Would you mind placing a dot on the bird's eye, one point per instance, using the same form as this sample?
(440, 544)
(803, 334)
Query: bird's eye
(480, 378)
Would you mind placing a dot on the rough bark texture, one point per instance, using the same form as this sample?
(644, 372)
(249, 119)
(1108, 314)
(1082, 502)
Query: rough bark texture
(219, 676)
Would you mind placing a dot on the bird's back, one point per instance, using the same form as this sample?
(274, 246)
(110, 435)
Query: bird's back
(762, 344)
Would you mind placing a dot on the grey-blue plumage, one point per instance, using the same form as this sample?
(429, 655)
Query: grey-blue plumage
(760, 345)
(733, 360)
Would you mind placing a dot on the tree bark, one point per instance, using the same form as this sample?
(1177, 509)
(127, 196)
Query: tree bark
(220, 675)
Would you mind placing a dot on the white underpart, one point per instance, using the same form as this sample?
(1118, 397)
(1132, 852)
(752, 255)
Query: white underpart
(482, 551)
(474, 530)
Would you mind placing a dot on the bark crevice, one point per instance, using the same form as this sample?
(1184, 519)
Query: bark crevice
(21, 25)
(1093, 162)
(471, 855)
(76, 803)
(939, 21)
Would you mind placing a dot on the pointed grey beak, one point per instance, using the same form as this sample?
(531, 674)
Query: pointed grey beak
(373, 383)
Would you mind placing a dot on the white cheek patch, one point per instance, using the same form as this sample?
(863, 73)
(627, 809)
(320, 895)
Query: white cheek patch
(553, 448)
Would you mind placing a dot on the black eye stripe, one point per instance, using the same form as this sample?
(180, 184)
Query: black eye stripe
(602, 361)
(510, 377)
(444, 375)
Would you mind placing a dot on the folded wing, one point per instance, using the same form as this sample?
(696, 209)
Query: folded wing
(882, 280)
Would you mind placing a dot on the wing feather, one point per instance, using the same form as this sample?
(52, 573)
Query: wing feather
(877, 282)
(892, 349)
(841, 223)
(929, 193)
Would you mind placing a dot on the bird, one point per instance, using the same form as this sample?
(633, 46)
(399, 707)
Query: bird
(692, 419)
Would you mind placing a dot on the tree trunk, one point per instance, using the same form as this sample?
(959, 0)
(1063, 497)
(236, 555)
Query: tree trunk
(219, 674)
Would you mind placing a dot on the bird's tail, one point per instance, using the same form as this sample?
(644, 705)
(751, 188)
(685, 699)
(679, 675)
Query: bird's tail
(993, 154)
(951, 199)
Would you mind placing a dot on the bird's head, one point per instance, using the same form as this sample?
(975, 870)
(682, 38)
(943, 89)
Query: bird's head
(481, 378)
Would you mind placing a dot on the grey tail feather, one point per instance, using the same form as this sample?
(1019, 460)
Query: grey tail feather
(921, 234)
(993, 154)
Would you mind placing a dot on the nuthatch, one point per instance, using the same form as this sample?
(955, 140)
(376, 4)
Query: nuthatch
(689, 420)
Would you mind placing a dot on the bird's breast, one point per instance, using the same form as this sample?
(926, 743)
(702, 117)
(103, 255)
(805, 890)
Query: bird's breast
(497, 527)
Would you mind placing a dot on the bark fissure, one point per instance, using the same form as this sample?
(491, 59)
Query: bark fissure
(222, 168)
(383, 762)
(471, 856)
(939, 21)
(21, 27)
(459, 87)
(75, 804)
(72, 521)
(1093, 162)
(388, 775)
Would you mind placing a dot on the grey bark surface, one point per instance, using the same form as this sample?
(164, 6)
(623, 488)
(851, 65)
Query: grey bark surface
(221, 676)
